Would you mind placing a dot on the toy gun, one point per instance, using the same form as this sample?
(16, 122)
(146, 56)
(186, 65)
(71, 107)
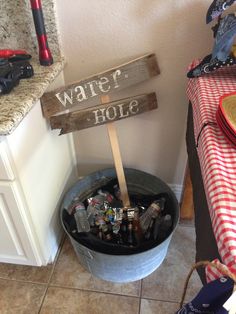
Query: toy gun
(13, 69)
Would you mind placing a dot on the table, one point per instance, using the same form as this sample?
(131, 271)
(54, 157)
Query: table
(217, 159)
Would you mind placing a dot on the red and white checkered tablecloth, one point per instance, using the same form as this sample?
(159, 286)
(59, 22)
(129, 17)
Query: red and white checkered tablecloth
(217, 160)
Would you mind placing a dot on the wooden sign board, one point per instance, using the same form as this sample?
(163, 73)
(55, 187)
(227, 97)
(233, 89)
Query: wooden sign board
(104, 113)
(112, 80)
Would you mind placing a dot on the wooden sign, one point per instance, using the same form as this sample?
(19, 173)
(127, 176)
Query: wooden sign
(104, 113)
(112, 80)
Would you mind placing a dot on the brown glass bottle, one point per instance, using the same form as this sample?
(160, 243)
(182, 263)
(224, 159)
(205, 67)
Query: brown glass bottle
(130, 235)
(124, 227)
(138, 233)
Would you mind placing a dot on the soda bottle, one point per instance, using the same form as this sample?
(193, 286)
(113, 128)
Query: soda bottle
(81, 219)
(75, 202)
(95, 208)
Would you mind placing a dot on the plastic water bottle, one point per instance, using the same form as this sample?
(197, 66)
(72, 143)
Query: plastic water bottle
(81, 219)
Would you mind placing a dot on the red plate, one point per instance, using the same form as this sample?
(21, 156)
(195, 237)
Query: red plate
(225, 130)
(228, 110)
(226, 125)
(223, 124)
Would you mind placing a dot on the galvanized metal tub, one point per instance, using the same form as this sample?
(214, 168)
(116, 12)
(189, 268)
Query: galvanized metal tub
(121, 268)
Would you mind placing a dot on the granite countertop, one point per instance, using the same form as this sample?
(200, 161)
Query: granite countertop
(15, 105)
(17, 31)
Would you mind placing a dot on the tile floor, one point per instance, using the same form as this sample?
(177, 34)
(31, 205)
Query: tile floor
(65, 287)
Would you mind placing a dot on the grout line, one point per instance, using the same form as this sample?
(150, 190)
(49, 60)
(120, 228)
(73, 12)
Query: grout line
(53, 268)
(38, 282)
(25, 281)
(160, 300)
(140, 295)
(141, 287)
(185, 223)
(95, 291)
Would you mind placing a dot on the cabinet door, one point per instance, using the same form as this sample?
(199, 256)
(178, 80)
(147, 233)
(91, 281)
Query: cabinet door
(6, 172)
(17, 244)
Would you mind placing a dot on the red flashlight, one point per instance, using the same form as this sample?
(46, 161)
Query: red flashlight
(45, 56)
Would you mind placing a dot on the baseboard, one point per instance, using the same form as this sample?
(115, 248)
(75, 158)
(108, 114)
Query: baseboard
(177, 189)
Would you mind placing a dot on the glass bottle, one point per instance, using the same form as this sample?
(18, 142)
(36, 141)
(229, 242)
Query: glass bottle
(130, 234)
(138, 233)
(149, 232)
(165, 226)
(124, 226)
(152, 211)
(156, 227)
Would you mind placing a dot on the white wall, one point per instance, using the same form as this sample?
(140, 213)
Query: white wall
(99, 34)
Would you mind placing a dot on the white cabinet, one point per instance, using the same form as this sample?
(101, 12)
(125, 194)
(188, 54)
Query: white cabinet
(6, 172)
(15, 244)
(36, 167)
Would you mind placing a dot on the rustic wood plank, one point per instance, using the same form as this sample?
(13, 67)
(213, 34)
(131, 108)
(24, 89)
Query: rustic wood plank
(112, 80)
(111, 129)
(104, 113)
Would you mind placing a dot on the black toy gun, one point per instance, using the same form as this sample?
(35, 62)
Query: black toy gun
(12, 70)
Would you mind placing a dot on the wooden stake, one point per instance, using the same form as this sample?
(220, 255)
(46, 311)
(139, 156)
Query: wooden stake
(117, 158)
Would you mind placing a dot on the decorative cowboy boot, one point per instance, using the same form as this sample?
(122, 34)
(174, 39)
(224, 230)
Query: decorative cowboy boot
(209, 65)
(217, 8)
(224, 37)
